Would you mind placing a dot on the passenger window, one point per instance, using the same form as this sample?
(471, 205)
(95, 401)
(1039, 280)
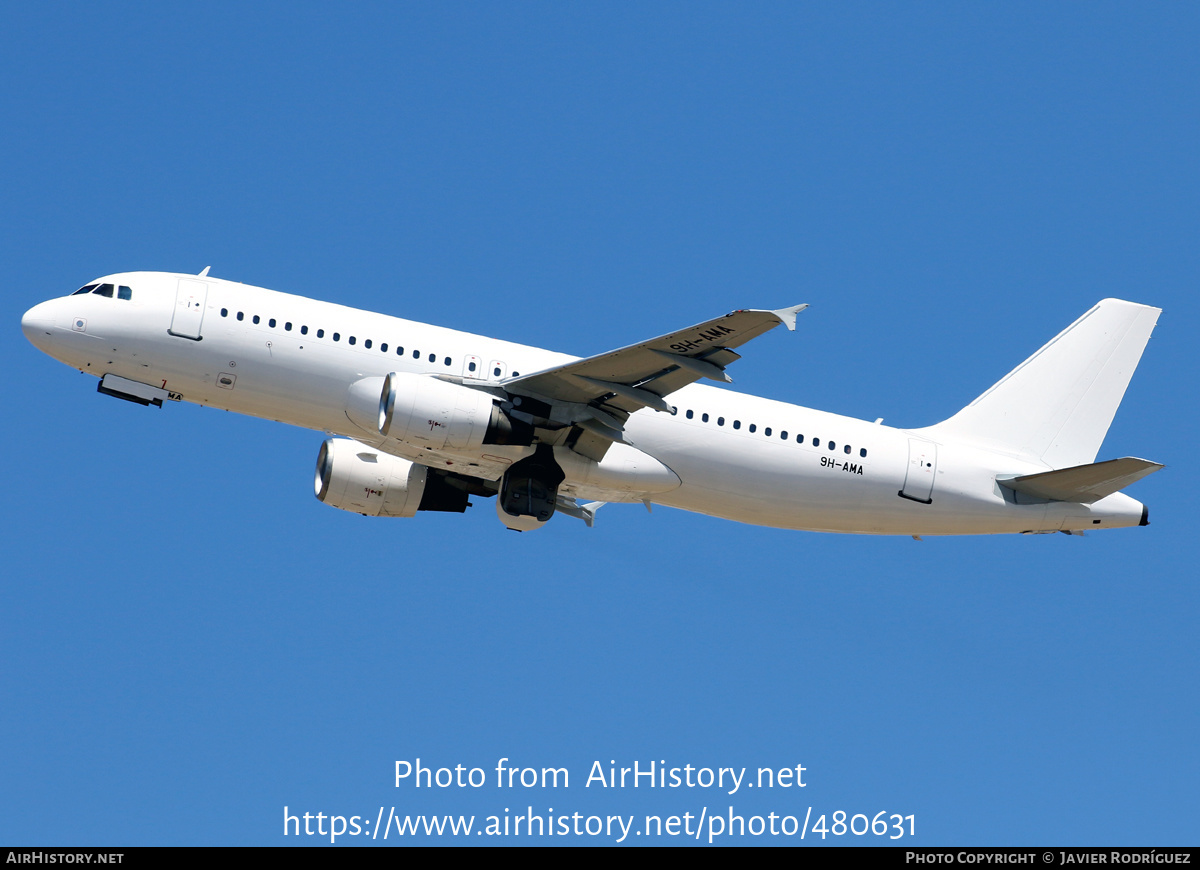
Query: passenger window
(399, 351)
(224, 312)
(689, 414)
(447, 360)
(832, 446)
(353, 339)
(288, 326)
(496, 371)
(720, 421)
(471, 367)
(320, 333)
(271, 323)
(105, 290)
(847, 448)
(516, 374)
(737, 424)
(124, 292)
(704, 418)
(433, 357)
(752, 427)
(383, 347)
(863, 453)
(304, 330)
(255, 319)
(416, 354)
(767, 431)
(337, 336)
(783, 434)
(241, 316)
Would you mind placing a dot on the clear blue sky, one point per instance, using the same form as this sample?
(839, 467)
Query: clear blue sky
(190, 641)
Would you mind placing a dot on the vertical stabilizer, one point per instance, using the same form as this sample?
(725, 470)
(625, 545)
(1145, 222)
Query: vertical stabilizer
(1057, 405)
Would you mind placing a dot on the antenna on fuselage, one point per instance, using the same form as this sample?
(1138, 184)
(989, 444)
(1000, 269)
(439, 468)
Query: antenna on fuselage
(204, 274)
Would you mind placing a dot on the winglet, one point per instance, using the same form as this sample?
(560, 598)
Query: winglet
(788, 315)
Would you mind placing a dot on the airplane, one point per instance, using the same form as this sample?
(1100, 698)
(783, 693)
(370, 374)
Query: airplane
(422, 418)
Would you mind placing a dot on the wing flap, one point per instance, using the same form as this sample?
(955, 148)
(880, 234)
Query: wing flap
(1083, 483)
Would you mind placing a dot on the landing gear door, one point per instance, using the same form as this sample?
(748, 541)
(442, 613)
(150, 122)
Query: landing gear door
(922, 468)
(189, 308)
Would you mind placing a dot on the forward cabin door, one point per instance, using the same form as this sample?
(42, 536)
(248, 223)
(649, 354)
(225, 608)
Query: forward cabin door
(922, 467)
(189, 308)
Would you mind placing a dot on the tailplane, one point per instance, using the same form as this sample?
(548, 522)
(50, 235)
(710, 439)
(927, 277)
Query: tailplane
(1057, 405)
(1085, 484)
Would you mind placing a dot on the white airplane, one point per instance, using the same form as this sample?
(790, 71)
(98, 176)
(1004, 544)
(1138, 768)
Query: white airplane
(428, 417)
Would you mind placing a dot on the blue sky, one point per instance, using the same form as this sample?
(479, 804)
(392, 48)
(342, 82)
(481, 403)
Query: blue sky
(191, 641)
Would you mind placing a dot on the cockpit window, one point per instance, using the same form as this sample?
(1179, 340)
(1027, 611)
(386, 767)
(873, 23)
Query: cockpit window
(124, 292)
(88, 289)
(104, 290)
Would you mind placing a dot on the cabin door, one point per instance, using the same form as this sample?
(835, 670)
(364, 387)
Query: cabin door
(189, 308)
(922, 467)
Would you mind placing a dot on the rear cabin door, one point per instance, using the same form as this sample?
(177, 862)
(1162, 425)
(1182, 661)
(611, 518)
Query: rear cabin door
(189, 308)
(922, 467)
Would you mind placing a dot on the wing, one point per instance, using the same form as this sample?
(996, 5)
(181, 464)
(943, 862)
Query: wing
(596, 395)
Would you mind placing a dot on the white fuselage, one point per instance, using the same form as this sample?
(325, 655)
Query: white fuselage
(294, 359)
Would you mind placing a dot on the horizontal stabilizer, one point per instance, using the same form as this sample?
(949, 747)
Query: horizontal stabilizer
(1083, 483)
(585, 512)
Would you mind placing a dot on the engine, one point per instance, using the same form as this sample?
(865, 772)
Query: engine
(427, 412)
(354, 477)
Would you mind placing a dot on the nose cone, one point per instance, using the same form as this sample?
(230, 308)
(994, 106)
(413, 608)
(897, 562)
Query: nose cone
(38, 325)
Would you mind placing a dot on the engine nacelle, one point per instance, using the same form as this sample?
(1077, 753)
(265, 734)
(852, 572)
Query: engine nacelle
(428, 412)
(354, 477)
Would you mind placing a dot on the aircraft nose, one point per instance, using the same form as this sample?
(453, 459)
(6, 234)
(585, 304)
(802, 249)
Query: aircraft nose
(37, 323)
